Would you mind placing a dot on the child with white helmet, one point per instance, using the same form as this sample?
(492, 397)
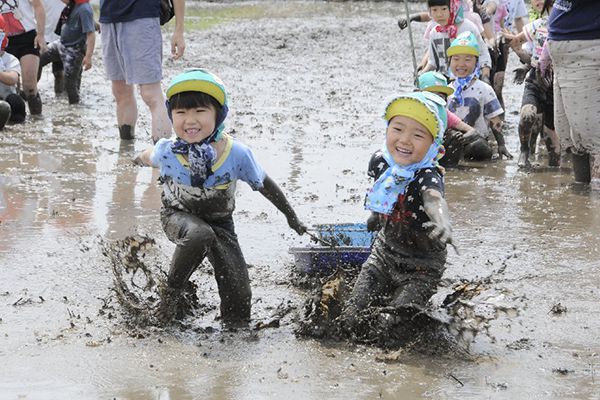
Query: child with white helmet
(199, 170)
(408, 208)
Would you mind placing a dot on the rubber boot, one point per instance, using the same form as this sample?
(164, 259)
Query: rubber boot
(4, 113)
(581, 167)
(35, 104)
(126, 132)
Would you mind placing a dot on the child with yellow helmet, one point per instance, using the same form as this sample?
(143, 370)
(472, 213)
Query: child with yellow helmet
(199, 170)
(407, 207)
(474, 101)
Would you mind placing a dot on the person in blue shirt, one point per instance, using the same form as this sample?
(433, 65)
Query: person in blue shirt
(574, 47)
(75, 47)
(199, 171)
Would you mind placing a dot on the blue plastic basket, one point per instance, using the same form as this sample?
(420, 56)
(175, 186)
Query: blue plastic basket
(352, 234)
(352, 248)
(321, 259)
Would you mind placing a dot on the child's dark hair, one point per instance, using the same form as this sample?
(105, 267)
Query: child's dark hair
(434, 3)
(192, 99)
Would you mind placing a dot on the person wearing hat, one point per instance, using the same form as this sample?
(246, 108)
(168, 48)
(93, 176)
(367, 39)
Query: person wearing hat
(408, 208)
(199, 170)
(458, 134)
(474, 101)
(449, 22)
(12, 106)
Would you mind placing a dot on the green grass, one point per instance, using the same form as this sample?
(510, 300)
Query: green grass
(204, 18)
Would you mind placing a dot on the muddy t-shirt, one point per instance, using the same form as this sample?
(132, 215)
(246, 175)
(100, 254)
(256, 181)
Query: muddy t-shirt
(403, 230)
(216, 199)
(480, 105)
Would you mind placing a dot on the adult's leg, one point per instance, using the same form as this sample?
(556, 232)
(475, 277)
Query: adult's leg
(231, 273)
(152, 95)
(126, 109)
(29, 73)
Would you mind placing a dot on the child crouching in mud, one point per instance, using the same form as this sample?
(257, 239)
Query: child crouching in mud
(407, 202)
(199, 170)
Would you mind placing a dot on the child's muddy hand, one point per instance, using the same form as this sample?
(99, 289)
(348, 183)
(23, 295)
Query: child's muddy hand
(296, 225)
(442, 233)
(373, 222)
(502, 151)
(402, 23)
(520, 74)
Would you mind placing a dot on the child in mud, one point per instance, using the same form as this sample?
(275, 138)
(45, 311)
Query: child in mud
(537, 107)
(408, 208)
(12, 106)
(75, 47)
(450, 22)
(199, 170)
(474, 101)
(458, 134)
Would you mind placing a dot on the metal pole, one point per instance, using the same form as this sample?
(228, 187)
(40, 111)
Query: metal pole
(412, 44)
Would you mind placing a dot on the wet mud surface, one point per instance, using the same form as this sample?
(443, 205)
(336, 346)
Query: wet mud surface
(307, 84)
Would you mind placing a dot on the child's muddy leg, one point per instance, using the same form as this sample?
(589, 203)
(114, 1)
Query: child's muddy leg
(454, 149)
(231, 273)
(553, 146)
(479, 150)
(193, 238)
(529, 122)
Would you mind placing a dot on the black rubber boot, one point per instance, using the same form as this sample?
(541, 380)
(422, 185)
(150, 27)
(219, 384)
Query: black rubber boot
(35, 104)
(581, 167)
(4, 113)
(126, 132)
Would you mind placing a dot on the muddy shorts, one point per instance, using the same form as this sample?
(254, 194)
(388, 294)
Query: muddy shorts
(196, 239)
(132, 51)
(577, 93)
(21, 45)
(534, 94)
(391, 279)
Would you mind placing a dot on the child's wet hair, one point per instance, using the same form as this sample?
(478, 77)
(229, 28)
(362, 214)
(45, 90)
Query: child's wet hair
(193, 99)
(435, 3)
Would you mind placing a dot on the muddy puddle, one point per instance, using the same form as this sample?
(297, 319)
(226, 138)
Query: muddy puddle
(307, 81)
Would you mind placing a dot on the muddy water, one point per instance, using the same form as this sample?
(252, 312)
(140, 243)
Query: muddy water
(307, 82)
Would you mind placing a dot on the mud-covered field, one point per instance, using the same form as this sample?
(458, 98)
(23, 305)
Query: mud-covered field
(307, 81)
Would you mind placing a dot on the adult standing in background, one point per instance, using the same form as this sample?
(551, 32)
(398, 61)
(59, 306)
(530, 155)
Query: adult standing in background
(574, 46)
(25, 21)
(132, 52)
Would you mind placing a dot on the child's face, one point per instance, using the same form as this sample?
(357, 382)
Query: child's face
(407, 140)
(537, 5)
(440, 14)
(194, 124)
(463, 65)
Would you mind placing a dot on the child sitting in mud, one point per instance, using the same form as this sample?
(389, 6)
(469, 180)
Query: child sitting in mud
(12, 106)
(199, 170)
(537, 107)
(474, 101)
(458, 134)
(450, 22)
(408, 208)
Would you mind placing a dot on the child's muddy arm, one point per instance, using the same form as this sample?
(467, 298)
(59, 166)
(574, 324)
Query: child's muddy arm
(274, 194)
(496, 126)
(436, 209)
(143, 158)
